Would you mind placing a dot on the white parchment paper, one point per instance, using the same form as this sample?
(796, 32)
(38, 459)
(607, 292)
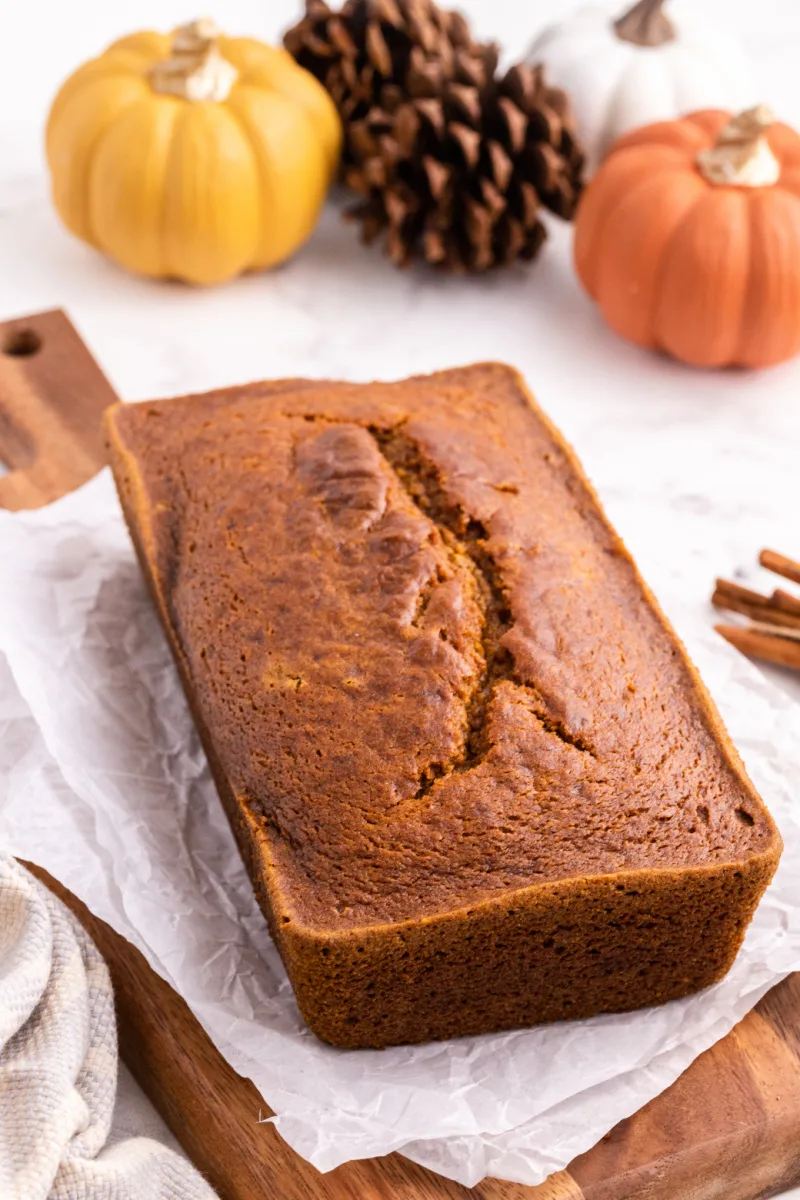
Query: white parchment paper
(103, 782)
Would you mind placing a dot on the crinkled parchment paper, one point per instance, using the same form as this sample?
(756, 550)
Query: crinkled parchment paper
(103, 782)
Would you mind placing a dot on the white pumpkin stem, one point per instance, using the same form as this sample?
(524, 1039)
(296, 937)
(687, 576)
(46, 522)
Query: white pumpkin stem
(742, 156)
(646, 24)
(195, 69)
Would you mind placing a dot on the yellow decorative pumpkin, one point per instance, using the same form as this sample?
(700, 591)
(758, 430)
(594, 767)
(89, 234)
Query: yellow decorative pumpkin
(192, 156)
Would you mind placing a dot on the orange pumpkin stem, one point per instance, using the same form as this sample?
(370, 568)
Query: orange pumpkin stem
(742, 156)
(195, 69)
(646, 24)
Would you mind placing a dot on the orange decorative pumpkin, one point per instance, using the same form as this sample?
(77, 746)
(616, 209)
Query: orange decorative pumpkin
(688, 238)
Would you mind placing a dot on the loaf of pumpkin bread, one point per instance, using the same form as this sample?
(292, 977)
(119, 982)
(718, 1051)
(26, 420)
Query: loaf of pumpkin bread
(475, 779)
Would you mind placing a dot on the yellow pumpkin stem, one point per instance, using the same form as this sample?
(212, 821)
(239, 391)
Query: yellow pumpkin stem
(195, 69)
(742, 156)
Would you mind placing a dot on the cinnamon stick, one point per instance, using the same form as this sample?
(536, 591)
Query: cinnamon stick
(760, 611)
(774, 631)
(785, 601)
(769, 647)
(780, 564)
(725, 587)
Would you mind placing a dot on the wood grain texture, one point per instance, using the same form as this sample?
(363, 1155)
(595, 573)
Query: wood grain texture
(52, 398)
(728, 1129)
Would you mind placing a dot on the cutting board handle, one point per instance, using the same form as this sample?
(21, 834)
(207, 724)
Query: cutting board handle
(52, 398)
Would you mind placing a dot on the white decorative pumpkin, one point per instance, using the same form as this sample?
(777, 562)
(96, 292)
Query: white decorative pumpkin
(640, 67)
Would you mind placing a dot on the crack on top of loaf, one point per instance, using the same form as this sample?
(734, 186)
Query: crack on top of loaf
(469, 539)
(467, 542)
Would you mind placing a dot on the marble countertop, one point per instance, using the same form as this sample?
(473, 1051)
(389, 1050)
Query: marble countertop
(715, 453)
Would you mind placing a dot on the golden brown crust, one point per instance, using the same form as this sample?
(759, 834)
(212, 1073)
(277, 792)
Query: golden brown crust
(440, 705)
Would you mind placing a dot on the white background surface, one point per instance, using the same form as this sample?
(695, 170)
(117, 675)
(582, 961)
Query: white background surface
(716, 452)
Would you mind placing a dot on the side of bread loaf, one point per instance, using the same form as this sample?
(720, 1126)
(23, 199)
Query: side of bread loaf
(475, 779)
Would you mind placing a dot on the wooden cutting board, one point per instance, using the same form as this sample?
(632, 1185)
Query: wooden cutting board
(729, 1129)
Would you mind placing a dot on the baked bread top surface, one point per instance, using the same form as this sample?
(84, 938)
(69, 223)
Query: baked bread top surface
(426, 662)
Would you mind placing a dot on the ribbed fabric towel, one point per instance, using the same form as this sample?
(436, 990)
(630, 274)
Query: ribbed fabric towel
(58, 1064)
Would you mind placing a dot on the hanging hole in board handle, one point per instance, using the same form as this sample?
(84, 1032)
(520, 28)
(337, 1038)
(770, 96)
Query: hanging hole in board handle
(22, 343)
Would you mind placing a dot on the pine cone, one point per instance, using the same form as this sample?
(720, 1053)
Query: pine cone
(382, 52)
(459, 178)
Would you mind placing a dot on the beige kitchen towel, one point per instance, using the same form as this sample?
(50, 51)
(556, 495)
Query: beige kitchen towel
(58, 1064)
